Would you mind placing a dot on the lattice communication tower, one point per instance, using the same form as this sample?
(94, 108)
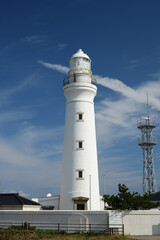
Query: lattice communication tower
(147, 142)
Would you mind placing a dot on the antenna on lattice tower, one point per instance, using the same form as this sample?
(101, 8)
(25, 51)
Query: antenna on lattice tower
(147, 106)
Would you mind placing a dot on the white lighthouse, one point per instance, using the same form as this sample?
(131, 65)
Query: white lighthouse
(80, 182)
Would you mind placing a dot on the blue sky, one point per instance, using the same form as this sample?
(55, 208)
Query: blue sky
(37, 39)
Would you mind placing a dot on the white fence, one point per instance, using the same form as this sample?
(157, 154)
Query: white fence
(141, 222)
(57, 220)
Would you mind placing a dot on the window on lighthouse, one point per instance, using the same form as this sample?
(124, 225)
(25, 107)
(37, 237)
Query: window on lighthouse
(80, 144)
(80, 174)
(80, 117)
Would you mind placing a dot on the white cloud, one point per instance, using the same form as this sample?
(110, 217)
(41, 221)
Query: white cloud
(14, 115)
(115, 119)
(32, 158)
(61, 46)
(57, 67)
(26, 83)
(116, 122)
(115, 176)
(36, 39)
(139, 95)
(21, 193)
(40, 141)
(30, 155)
(115, 85)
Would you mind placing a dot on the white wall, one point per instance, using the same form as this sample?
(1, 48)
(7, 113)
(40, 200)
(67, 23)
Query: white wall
(49, 201)
(115, 218)
(141, 222)
(50, 219)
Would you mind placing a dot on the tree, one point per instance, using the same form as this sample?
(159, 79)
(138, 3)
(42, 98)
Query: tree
(127, 200)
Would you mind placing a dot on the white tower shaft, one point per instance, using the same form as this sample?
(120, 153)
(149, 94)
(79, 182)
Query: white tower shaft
(80, 183)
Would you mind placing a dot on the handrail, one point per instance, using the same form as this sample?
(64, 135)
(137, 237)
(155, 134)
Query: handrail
(150, 141)
(142, 123)
(66, 81)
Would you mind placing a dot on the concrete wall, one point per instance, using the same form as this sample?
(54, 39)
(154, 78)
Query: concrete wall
(115, 218)
(141, 222)
(135, 222)
(50, 219)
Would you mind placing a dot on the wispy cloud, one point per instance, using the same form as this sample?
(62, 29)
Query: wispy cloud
(36, 39)
(118, 171)
(139, 94)
(34, 153)
(61, 46)
(21, 193)
(116, 119)
(116, 122)
(137, 62)
(10, 116)
(26, 83)
(35, 138)
(57, 67)
(115, 85)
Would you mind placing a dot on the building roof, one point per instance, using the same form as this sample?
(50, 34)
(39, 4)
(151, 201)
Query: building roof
(14, 199)
(155, 197)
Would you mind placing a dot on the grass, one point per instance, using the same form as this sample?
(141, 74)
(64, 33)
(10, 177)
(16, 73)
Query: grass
(19, 234)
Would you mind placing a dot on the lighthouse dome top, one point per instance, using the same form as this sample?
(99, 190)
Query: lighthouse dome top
(80, 54)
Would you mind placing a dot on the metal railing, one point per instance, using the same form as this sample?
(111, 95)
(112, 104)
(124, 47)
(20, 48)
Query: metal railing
(71, 228)
(66, 81)
(142, 123)
(147, 142)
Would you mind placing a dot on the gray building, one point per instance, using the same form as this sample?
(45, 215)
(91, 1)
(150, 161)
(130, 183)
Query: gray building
(13, 201)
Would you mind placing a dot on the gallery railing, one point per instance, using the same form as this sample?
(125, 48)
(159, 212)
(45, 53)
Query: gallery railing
(66, 81)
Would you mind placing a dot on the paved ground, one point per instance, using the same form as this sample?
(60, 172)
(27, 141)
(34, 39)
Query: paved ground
(155, 237)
